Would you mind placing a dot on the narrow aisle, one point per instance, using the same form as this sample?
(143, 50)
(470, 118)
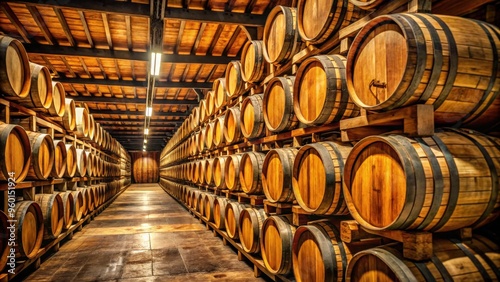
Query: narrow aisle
(145, 235)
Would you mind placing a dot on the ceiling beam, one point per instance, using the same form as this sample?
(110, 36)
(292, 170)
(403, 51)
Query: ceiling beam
(143, 10)
(153, 121)
(94, 99)
(141, 137)
(132, 83)
(139, 127)
(138, 113)
(43, 49)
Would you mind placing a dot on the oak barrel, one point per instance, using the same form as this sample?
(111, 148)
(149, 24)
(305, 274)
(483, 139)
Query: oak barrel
(200, 203)
(210, 97)
(209, 180)
(318, 171)
(278, 104)
(209, 207)
(89, 198)
(86, 199)
(90, 163)
(320, 91)
(14, 68)
(439, 183)
(79, 205)
(319, 254)
(232, 172)
(219, 175)
(319, 21)
(201, 172)
(4, 239)
(388, 67)
(220, 92)
(366, 4)
(218, 131)
(203, 111)
(281, 36)
(40, 94)
(219, 210)
(91, 127)
(276, 244)
(29, 231)
(252, 117)
(60, 159)
(200, 141)
(53, 214)
(232, 131)
(71, 161)
(232, 218)
(251, 164)
(69, 118)
(58, 106)
(42, 155)
(250, 223)
(209, 135)
(82, 122)
(69, 209)
(453, 260)
(252, 61)
(277, 175)
(15, 152)
(234, 81)
(81, 163)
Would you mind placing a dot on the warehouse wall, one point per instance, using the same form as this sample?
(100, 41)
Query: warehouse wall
(145, 167)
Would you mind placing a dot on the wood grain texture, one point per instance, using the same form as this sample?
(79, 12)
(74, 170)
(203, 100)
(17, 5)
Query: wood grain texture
(15, 152)
(42, 155)
(252, 116)
(278, 104)
(145, 166)
(281, 36)
(439, 183)
(452, 260)
(252, 61)
(429, 61)
(276, 244)
(30, 236)
(15, 69)
(277, 174)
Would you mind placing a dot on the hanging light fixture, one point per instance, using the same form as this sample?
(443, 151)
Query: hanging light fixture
(146, 131)
(149, 111)
(155, 63)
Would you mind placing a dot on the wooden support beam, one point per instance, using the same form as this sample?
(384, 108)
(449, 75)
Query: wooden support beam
(65, 27)
(107, 30)
(179, 37)
(215, 38)
(117, 100)
(231, 41)
(15, 21)
(131, 83)
(41, 24)
(143, 10)
(138, 113)
(458, 8)
(154, 120)
(124, 55)
(86, 29)
(129, 33)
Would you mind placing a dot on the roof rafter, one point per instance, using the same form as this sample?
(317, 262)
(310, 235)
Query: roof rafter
(138, 113)
(131, 83)
(94, 99)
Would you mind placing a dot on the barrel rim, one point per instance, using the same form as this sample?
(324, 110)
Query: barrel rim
(23, 135)
(21, 51)
(288, 103)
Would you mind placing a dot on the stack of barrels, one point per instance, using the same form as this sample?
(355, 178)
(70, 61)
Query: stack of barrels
(84, 150)
(389, 182)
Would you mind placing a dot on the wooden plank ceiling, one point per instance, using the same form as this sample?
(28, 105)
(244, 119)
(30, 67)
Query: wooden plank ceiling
(100, 51)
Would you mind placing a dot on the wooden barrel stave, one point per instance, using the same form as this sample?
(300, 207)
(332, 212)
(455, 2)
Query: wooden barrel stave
(69, 118)
(219, 175)
(81, 163)
(60, 156)
(79, 205)
(82, 122)
(277, 171)
(234, 82)
(58, 106)
(219, 210)
(232, 131)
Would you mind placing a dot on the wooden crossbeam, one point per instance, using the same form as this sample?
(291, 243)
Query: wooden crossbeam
(131, 83)
(143, 10)
(138, 113)
(117, 100)
(124, 55)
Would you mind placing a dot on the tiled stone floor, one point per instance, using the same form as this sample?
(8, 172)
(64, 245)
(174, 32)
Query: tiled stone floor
(144, 235)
